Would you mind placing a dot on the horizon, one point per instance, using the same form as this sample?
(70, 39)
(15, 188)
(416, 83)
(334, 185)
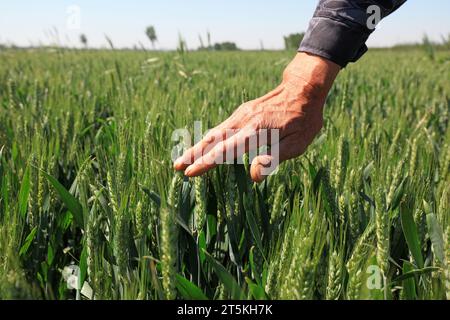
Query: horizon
(48, 23)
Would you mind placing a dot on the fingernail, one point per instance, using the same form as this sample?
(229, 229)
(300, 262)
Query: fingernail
(188, 171)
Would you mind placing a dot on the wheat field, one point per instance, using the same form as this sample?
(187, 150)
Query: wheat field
(90, 207)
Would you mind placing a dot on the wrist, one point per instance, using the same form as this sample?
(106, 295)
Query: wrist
(311, 75)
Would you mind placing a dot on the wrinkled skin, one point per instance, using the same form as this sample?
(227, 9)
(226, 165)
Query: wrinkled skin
(295, 107)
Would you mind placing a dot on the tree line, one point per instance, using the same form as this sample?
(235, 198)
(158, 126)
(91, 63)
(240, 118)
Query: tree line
(291, 41)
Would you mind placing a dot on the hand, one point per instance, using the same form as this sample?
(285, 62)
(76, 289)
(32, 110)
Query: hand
(295, 108)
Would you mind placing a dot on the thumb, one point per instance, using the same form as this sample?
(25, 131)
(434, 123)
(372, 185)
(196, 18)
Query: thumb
(262, 166)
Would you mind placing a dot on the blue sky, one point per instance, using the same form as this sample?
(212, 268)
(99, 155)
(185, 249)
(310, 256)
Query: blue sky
(246, 22)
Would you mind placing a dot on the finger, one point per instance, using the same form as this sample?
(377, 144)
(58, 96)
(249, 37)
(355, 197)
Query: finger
(243, 141)
(212, 138)
(288, 148)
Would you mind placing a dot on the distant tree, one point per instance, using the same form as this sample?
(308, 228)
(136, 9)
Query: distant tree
(151, 34)
(84, 40)
(225, 46)
(292, 41)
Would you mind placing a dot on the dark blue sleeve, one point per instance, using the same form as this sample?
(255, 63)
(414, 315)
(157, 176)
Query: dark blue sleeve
(339, 29)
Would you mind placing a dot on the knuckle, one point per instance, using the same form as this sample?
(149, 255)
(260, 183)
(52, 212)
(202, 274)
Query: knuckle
(257, 120)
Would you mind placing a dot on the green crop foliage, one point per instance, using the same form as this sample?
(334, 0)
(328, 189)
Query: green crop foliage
(90, 207)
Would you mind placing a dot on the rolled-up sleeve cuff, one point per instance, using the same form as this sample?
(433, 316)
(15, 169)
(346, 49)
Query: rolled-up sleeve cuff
(335, 40)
